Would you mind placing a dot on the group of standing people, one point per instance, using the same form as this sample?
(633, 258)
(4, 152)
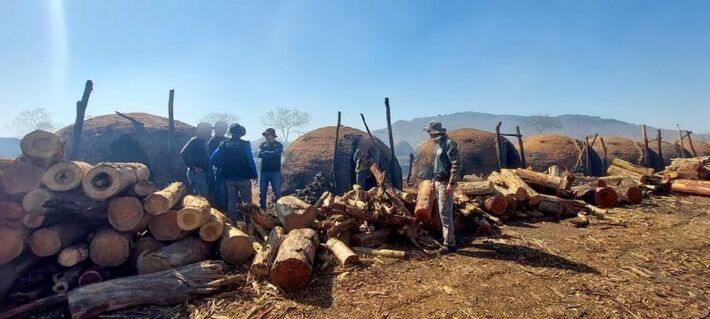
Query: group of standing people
(222, 168)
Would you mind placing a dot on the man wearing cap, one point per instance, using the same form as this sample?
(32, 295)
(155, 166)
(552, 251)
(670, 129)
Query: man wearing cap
(446, 171)
(270, 155)
(196, 157)
(235, 161)
(217, 185)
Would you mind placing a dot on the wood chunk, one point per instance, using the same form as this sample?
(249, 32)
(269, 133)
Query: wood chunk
(630, 195)
(294, 262)
(50, 240)
(342, 252)
(195, 212)
(691, 187)
(496, 205)
(180, 253)
(42, 148)
(477, 188)
(165, 227)
(74, 254)
(143, 189)
(258, 216)
(514, 182)
(108, 179)
(65, 176)
(143, 246)
(213, 229)
(563, 182)
(165, 199)
(110, 248)
(645, 171)
(11, 213)
(293, 213)
(426, 197)
(261, 266)
(68, 280)
(12, 243)
(33, 202)
(371, 239)
(235, 247)
(619, 171)
(126, 214)
(388, 253)
(20, 177)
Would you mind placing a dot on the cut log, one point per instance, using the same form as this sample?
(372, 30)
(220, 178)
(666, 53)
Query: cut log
(295, 213)
(11, 213)
(408, 198)
(235, 247)
(603, 196)
(385, 218)
(164, 227)
(560, 206)
(94, 275)
(65, 176)
(195, 212)
(477, 188)
(49, 241)
(261, 265)
(426, 197)
(645, 171)
(342, 252)
(21, 177)
(341, 227)
(180, 253)
(496, 205)
(614, 170)
(108, 179)
(294, 262)
(630, 195)
(33, 202)
(371, 239)
(258, 216)
(126, 214)
(76, 203)
(11, 271)
(165, 199)
(544, 180)
(388, 253)
(162, 288)
(144, 245)
(74, 254)
(12, 243)
(515, 183)
(68, 280)
(110, 248)
(697, 168)
(213, 229)
(42, 148)
(143, 189)
(691, 187)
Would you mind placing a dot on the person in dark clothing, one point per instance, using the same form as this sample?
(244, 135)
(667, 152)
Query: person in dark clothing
(365, 155)
(220, 132)
(446, 174)
(270, 155)
(196, 157)
(237, 169)
(217, 191)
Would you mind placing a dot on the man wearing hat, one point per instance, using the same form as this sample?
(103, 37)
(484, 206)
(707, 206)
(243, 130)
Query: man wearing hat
(446, 174)
(270, 155)
(196, 157)
(237, 169)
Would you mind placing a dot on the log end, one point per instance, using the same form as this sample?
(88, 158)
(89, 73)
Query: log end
(155, 204)
(102, 182)
(290, 274)
(211, 231)
(109, 248)
(236, 250)
(190, 218)
(45, 242)
(62, 177)
(605, 197)
(496, 204)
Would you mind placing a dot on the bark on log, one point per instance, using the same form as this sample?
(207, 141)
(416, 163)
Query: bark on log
(371, 239)
(514, 182)
(162, 288)
(295, 213)
(259, 217)
(560, 206)
(614, 170)
(645, 171)
(261, 266)
(478, 188)
(10, 272)
(65, 176)
(49, 241)
(697, 168)
(691, 187)
(108, 179)
(12, 243)
(545, 180)
(68, 280)
(389, 253)
(426, 197)
(33, 202)
(630, 195)
(21, 177)
(11, 214)
(195, 212)
(294, 262)
(143, 189)
(180, 253)
(165, 199)
(34, 307)
(341, 227)
(603, 196)
(110, 248)
(74, 254)
(235, 247)
(342, 252)
(496, 205)
(408, 198)
(126, 214)
(164, 227)
(42, 148)
(143, 246)
(213, 229)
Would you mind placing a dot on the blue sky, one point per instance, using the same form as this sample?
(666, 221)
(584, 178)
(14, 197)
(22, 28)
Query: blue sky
(638, 61)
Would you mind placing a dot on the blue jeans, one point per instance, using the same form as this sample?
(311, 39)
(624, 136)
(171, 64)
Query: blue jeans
(266, 178)
(198, 183)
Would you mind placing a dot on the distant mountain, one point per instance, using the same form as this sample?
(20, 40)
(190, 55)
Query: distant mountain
(572, 125)
(9, 147)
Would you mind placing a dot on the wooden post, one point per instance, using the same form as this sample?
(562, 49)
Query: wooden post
(395, 174)
(606, 158)
(659, 150)
(690, 142)
(646, 159)
(335, 154)
(409, 171)
(680, 142)
(498, 156)
(171, 122)
(587, 164)
(520, 145)
(79, 121)
(367, 128)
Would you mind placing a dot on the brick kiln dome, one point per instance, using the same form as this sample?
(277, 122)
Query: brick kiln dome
(620, 147)
(545, 150)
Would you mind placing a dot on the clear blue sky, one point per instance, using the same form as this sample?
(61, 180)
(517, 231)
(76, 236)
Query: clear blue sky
(638, 61)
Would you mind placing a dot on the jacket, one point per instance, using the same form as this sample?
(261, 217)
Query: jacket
(195, 154)
(446, 160)
(270, 155)
(234, 159)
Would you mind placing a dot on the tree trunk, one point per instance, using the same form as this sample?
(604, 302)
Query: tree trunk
(603, 196)
(213, 229)
(342, 252)
(110, 248)
(500, 185)
(164, 227)
(370, 239)
(65, 176)
(143, 189)
(33, 202)
(514, 182)
(12, 243)
(261, 266)
(544, 180)
(21, 177)
(180, 253)
(614, 170)
(108, 179)
(72, 255)
(692, 187)
(126, 214)
(295, 213)
(42, 148)
(477, 188)
(144, 245)
(645, 171)
(426, 197)
(235, 246)
(162, 288)
(165, 199)
(49, 241)
(11, 271)
(496, 205)
(294, 262)
(630, 195)
(195, 212)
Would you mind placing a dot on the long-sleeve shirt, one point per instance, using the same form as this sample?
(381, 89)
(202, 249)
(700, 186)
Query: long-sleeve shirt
(363, 163)
(446, 160)
(195, 154)
(234, 160)
(270, 155)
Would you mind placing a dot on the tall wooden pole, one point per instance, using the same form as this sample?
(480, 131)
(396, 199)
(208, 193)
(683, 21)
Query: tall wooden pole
(79, 121)
(659, 151)
(335, 154)
(394, 173)
(171, 122)
(587, 162)
(367, 128)
(646, 159)
(606, 158)
(520, 146)
(680, 142)
(498, 155)
(690, 142)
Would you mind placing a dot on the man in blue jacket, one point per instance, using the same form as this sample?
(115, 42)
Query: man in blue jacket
(270, 155)
(236, 164)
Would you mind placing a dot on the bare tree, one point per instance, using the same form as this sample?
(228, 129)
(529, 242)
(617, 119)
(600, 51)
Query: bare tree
(540, 123)
(214, 117)
(30, 120)
(285, 120)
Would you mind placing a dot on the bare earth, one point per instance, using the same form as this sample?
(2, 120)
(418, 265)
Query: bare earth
(650, 261)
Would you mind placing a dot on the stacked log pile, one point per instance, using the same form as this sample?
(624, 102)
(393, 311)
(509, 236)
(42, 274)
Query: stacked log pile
(689, 175)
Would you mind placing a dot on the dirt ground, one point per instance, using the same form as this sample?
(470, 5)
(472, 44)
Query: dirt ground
(651, 261)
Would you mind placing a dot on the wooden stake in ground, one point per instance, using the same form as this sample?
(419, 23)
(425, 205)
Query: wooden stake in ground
(164, 227)
(110, 248)
(294, 262)
(195, 212)
(335, 154)
(165, 199)
(79, 122)
(235, 246)
(396, 174)
(50, 240)
(12, 243)
(261, 266)
(42, 148)
(180, 253)
(342, 252)
(21, 177)
(126, 214)
(213, 229)
(426, 197)
(108, 179)
(72, 255)
(65, 176)
(295, 213)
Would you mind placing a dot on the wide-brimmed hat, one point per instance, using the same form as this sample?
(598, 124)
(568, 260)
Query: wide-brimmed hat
(435, 128)
(269, 131)
(237, 130)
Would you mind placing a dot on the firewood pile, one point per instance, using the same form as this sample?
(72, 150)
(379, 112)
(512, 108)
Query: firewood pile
(689, 175)
(312, 191)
